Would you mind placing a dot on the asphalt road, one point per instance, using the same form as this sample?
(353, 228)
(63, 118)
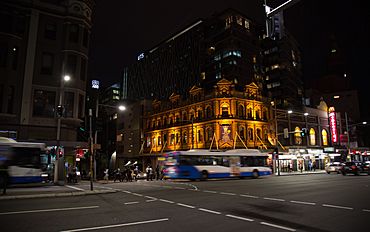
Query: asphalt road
(285, 203)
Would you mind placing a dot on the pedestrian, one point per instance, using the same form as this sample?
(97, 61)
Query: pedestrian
(148, 172)
(314, 166)
(4, 176)
(157, 172)
(106, 175)
(289, 167)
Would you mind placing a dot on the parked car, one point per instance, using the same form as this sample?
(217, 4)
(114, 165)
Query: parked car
(333, 167)
(353, 167)
(366, 167)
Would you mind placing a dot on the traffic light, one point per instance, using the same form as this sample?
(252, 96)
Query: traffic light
(59, 111)
(304, 132)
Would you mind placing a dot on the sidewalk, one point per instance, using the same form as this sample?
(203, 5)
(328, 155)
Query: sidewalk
(51, 190)
(301, 173)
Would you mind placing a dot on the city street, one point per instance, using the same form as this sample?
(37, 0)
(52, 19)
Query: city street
(280, 203)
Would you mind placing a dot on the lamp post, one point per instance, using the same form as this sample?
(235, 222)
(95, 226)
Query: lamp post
(306, 125)
(95, 139)
(60, 111)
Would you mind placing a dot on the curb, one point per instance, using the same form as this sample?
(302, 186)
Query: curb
(65, 194)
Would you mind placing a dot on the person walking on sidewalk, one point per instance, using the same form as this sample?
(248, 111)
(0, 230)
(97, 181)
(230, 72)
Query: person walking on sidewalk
(106, 175)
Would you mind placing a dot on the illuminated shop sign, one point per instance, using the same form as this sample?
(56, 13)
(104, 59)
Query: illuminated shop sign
(95, 84)
(333, 125)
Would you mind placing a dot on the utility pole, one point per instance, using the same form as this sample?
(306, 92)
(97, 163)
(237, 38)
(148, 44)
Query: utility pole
(91, 152)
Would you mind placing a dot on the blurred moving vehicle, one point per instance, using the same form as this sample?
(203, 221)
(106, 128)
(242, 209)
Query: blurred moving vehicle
(23, 161)
(333, 167)
(353, 167)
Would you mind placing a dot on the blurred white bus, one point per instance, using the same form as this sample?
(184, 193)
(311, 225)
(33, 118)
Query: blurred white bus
(23, 160)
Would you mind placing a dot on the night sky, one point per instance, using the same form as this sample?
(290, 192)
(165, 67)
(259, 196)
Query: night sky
(124, 29)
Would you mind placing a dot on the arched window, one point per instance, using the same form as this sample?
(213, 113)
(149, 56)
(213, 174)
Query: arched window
(159, 140)
(242, 132)
(258, 114)
(241, 112)
(199, 136)
(297, 136)
(209, 112)
(249, 113)
(164, 121)
(200, 114)
(324, 135)
(184, 138)
(177, 138)
(184, 116)
(250, 134)
(259, 133)
(225, 110)
(312, 137)
(209, 134)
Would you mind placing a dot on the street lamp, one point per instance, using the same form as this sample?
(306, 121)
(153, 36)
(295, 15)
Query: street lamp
(95, 140)
(60, 112)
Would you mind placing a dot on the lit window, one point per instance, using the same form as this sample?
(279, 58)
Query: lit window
(274, 66)
(239, 20)
(246, 23)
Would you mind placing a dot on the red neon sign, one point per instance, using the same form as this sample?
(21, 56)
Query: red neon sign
(333, 125)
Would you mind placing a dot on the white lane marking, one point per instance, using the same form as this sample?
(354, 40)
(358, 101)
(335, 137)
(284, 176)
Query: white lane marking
(151, 200)
(49, 210)
(273, 199)
(303, 202)
(126, 191)
(250, 196)
(337, 206)
(171, 202)
(277, 226)
(131, 202)
(208, 191)
(117, 225)
(137, 194)
(366, 210)
(188, 206)
(209, 211)
(193, 189)
(76, 188)
(179, 188)
(241, 218)
(231, 194)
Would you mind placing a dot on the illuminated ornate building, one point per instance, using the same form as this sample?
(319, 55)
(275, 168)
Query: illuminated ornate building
(222, 118)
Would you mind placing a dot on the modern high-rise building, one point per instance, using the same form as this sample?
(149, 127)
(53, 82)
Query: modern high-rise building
(225, 45)
(41, 42)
